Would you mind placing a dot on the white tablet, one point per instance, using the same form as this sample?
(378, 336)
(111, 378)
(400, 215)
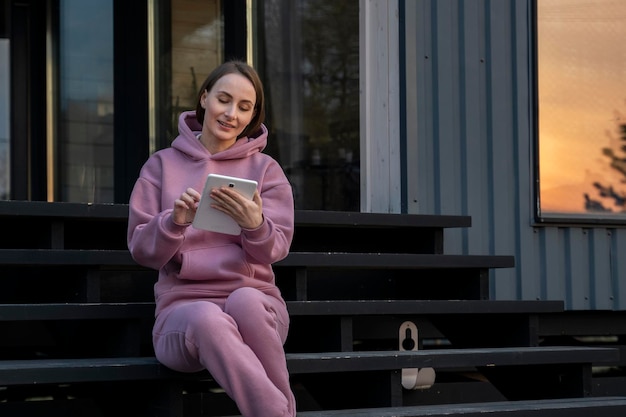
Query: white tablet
(208, 218)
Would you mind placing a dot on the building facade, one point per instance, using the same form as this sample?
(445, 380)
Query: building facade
(412, 106)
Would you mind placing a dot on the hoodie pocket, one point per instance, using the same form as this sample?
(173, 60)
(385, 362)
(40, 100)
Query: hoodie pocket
(217, 262)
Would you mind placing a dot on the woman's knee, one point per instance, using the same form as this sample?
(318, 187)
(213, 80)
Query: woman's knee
(192, 319)
(245, 300)
(253, 311)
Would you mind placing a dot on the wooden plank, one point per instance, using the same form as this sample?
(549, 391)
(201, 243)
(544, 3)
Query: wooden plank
(584, 323)
(395, 261)
(46, 209)
(51, 371)
(354, 231)
(46, 371)
(294, 259)
(67, 257)
(85, 311)
(446, 358)
(301, 217)
(75, 311)
(421, 307)
(568, 407)
(386, 220)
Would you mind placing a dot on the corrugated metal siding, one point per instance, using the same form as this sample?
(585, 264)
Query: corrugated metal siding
(469, 91)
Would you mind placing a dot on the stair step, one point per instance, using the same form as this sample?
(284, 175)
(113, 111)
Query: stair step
(446, 358)
(421, 307)
(394, 260)
(47, 371)
(85, 311)
(568, 407)
(121, 257)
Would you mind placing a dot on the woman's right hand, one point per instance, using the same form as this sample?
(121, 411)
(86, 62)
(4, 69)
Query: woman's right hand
(185, 207)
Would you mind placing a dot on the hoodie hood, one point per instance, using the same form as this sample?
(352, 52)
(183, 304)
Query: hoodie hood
(187, 141)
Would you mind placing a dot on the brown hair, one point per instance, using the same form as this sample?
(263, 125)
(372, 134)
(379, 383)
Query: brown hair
(236, 67)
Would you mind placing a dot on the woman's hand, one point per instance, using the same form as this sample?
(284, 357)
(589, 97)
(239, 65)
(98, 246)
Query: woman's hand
(185, 207)
(247, 213)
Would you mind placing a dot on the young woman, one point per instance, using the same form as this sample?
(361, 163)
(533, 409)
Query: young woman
(217, 304)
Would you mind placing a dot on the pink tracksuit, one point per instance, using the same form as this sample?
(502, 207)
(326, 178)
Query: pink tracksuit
(217, 305)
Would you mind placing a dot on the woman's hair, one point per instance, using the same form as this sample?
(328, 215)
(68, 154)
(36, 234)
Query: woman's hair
(236, 67)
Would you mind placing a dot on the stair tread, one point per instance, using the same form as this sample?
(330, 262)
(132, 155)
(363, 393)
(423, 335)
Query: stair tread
(294, 259)
(60, 311)
(545, 407)
(41, 371)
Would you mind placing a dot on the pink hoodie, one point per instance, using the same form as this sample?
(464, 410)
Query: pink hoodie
(195, 263)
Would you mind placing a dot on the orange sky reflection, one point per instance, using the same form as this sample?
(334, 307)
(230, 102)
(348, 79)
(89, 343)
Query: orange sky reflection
(582, 70)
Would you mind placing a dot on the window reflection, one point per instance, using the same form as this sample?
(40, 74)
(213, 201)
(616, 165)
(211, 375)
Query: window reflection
(309, 51)
(582, 129)
(86, 101)
(197, 48)
(5, 117)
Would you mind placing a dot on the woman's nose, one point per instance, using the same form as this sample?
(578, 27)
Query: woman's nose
(231, 112)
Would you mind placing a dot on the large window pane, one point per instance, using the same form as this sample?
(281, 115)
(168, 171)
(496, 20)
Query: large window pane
(306, 52)
(196, 48)
(582, 136)
(309, 54)
(85, 160)
(5, 117)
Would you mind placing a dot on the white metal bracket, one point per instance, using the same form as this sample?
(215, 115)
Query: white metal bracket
(413, 378)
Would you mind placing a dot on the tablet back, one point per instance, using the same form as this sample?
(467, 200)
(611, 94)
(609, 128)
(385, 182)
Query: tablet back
(208, 218)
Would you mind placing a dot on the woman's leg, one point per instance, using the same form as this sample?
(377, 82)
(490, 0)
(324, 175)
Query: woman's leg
(263, 324)
(197, 335)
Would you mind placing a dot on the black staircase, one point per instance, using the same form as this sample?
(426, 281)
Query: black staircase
(383, 324)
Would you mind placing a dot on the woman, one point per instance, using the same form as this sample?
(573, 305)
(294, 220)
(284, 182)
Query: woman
(217, 304)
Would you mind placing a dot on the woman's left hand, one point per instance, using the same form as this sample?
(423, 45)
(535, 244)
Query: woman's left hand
(247, 213)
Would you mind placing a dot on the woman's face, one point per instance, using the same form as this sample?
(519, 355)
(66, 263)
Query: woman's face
(229, 108)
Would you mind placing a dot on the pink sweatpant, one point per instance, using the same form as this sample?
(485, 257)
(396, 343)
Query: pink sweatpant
(239, 340)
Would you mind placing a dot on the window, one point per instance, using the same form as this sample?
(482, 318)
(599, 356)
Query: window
(195, 46)
(307, 53)
(92, 98)
(581, 56)
(85, 151)
(5, 151)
